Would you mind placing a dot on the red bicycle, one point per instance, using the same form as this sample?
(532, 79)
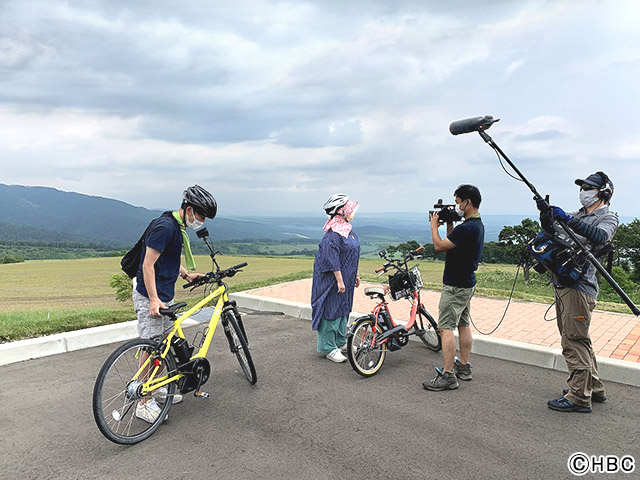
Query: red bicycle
(370, 337)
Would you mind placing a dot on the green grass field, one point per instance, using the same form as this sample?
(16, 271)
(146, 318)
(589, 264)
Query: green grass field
(77, 284)
(43, 297)
(49, 296)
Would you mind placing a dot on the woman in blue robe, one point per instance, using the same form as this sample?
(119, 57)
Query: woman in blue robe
(335, 278)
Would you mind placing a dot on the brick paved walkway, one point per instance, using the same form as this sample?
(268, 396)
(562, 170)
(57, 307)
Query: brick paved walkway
(614, 335)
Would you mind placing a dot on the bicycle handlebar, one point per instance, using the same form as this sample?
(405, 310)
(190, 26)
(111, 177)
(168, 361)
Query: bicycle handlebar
(215, 277)
(392, 263)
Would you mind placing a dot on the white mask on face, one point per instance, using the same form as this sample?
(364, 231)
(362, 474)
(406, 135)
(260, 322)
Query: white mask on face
(195, 224)
(459, 211)
(588, 197)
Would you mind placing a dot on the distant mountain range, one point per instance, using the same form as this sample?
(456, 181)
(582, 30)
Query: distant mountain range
(43, 214)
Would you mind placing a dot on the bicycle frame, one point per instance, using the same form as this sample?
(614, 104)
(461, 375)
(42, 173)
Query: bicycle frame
(154, 383)
(415, 306)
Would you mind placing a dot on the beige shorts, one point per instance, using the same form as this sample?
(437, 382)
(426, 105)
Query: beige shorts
(148, 325)
(454, 307)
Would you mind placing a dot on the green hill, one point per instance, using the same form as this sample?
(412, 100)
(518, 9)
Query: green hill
(43, 214)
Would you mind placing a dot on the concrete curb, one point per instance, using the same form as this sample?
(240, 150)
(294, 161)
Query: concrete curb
(610, 369)
(69, 341)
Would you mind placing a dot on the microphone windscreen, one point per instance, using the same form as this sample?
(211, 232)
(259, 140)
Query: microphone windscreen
(471, 124)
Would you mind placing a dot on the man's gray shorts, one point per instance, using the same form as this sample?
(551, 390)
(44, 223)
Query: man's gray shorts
(148, 325)
(454, 307)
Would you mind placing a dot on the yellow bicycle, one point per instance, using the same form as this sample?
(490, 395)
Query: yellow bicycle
(142, 369)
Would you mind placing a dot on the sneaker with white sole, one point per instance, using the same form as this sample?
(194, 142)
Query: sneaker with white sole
(149, 411)
(161, 396)
(336, 356)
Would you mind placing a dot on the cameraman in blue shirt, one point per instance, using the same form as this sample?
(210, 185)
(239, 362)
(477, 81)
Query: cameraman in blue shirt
(463, 245)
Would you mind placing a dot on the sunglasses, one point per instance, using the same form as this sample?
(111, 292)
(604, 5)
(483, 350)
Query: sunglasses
(587, 187)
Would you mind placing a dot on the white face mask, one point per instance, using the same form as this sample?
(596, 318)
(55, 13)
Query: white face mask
(588, 197)
(459, 211)
(353, 214)
(195, 224)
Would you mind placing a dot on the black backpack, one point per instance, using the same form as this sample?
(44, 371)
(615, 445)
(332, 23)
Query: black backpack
(130, 263)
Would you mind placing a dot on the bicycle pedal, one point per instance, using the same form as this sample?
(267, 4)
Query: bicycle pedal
(201, 395)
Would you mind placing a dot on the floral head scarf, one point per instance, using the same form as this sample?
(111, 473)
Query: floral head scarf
(339, 223)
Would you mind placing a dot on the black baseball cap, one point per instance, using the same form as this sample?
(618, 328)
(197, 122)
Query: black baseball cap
(594, 180)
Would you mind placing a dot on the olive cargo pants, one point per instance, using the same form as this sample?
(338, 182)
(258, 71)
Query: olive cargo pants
(573, 313)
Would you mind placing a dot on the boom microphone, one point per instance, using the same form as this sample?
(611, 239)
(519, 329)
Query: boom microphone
(474, 124)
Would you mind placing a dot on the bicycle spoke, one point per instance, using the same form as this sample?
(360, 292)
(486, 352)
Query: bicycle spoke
(116, 395)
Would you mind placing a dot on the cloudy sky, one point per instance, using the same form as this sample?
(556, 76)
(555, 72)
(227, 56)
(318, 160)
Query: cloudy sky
(273, 106)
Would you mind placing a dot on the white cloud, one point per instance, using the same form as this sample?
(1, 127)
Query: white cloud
(513, 66)
(283, 102)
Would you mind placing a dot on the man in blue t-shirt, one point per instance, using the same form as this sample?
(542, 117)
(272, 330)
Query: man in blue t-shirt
(463, 245)
(154, 285)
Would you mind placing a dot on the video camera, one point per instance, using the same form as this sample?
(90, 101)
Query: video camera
(446, 213)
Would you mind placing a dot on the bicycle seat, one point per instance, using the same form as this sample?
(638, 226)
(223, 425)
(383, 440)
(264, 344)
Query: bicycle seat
(374, 292)
(171, 311)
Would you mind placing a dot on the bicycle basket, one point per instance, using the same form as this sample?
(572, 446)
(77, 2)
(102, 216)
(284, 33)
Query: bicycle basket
(399, 285)
(416, 278)
(403, 284)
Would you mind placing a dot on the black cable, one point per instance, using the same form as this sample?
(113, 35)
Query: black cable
(560, 303)
(505, 308)
(502, 165)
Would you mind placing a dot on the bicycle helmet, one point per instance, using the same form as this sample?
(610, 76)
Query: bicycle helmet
(201, 201)
(335, 203)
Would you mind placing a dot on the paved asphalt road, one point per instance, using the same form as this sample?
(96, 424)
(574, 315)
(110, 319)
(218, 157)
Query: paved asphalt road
(308, 418)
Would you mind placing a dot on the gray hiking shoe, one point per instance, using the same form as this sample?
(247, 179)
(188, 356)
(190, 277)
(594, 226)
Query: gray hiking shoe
(462, 370)
(442, 381)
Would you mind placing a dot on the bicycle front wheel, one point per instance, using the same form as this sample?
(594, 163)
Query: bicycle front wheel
(116, 395)
(431, 336)
(365, 357)
(239, 347)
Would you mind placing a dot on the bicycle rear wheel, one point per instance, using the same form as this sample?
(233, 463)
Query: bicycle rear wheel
(364, 357)
(239, 347)
(116, 394)
(431, 336)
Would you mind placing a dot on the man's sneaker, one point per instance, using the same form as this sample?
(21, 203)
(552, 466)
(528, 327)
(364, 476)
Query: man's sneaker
(442, 381)
(594, 398)
(161, 396)
(462, 370)
(336, 356)
(564, 405)
(149, 411)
